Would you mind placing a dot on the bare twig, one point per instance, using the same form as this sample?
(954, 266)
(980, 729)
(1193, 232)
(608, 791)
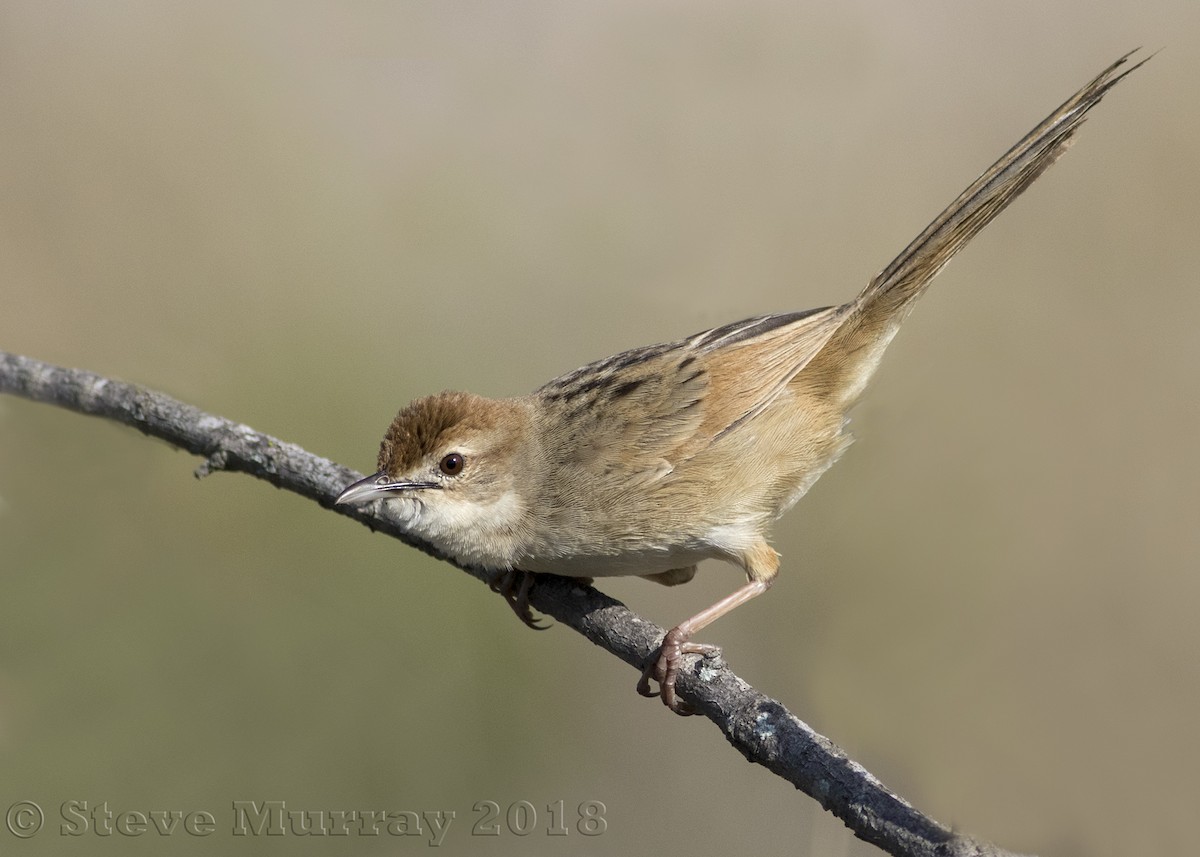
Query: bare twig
(760, 728)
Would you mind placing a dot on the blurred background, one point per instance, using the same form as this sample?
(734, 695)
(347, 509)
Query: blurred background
(302, 215)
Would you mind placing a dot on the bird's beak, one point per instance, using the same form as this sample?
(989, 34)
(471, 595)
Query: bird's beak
(378, 486)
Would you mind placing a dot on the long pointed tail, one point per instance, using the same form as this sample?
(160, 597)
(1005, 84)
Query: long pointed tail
(852, 354)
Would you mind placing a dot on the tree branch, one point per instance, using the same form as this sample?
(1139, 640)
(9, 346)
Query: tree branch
(761, 729)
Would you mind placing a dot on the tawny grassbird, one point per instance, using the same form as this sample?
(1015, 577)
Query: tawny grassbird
(649, 461)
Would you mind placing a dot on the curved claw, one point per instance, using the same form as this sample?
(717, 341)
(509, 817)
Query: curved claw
(517, 597)
(663, 667)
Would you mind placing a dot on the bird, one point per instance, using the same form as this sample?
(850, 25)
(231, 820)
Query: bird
(649, 461)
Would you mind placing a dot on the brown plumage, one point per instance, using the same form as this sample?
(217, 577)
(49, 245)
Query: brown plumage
(649, 461)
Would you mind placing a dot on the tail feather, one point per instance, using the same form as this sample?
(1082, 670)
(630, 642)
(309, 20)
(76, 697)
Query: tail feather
(850, 358)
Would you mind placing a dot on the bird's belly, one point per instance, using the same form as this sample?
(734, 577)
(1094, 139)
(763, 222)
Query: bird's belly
(639, 555)
(635, 562)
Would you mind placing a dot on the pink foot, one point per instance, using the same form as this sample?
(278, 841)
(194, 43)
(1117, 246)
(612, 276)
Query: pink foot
(664, 668)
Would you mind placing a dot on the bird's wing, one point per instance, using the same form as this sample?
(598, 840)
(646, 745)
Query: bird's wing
(661, 404)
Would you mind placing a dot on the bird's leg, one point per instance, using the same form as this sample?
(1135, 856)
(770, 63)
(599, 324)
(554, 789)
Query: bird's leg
(664, 664)
(762, 564)
(516, 595)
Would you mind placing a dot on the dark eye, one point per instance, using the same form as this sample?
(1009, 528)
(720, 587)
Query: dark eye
(452, 464)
